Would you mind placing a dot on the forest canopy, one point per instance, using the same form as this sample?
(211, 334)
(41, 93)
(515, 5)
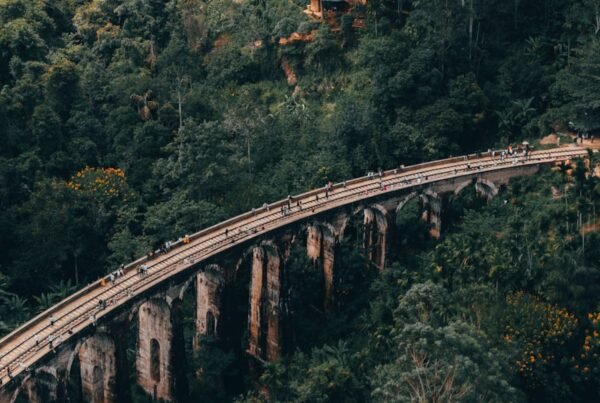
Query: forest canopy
(126, 123)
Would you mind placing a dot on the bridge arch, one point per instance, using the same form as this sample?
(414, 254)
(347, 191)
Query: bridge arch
(155, 359)
(209, 241)
(463, 186)
(406, 200)
(483, 187)
(26, 391)
(39, 387)
(486, 188)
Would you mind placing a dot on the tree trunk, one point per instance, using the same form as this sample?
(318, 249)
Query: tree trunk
(76, 268)
(180, 150)
(471, 20)
(179, 107)
(248, 151)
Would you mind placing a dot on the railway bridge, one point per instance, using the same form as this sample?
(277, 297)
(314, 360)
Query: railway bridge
(81, 340)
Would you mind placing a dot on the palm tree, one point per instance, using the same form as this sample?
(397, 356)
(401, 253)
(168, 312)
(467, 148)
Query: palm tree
(505, 120)
(44, 301)
(17, 309)
(62, 289)
(523, 109)
(4, 283)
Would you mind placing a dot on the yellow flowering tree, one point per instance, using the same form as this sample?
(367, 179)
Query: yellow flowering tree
(553, 347)
(101, 184)
(541, 330)
(103, 192)
(587, 364)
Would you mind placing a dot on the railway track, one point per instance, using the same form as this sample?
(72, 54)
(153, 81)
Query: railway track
(34, 340)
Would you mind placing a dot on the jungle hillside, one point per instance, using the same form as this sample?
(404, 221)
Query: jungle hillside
(127, 123)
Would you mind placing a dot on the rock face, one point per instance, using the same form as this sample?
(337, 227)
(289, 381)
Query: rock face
(98, 369)
(264, 318)
(153, 360)
(209, 285)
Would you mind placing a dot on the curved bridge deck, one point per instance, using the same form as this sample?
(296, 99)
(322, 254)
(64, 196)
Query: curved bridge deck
(33, 341)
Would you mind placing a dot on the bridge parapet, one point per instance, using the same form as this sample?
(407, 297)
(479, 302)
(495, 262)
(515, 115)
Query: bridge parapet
(76, 315)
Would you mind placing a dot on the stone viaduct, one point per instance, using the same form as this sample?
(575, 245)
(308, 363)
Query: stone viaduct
(81, 355)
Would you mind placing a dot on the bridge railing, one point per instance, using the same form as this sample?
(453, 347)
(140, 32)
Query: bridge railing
(416, 167)
(55, 308)
(97, 284)
(314, 192)
(221, 225)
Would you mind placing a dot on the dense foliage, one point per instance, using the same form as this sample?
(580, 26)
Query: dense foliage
(124, 123)
(503, 308)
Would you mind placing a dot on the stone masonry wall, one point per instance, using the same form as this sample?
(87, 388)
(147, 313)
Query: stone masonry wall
(98, 369)
(264, 319)
(155, 324)
(209, 285)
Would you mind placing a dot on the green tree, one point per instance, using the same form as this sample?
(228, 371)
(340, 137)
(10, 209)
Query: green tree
(436, 358)
(178, 216)
(579, 84)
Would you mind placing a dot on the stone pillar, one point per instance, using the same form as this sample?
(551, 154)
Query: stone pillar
(256, 296)
(375, 235)
(264, 318)
(209, 285)
(313, 242)
(432, 214)
(435, 217)
(153, 360)
(320, 248)
(328, 262)
(273, 304)
(97, 360)
(368, 229)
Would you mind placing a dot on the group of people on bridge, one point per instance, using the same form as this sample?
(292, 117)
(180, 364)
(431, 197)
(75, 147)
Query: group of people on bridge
(55, 337)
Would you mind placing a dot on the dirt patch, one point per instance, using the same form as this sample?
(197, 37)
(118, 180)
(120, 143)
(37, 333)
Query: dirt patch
(290, 74)
(551, 139)
(222, 40)
(593, 227)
